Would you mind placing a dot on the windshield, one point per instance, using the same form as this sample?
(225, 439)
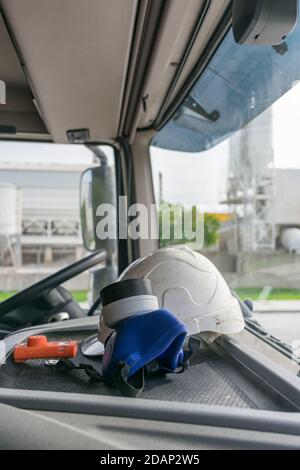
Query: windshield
(239, 84)
(234, 149)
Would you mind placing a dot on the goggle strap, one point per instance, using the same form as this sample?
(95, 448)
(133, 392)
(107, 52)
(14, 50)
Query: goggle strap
(193, 346)
(129, 387)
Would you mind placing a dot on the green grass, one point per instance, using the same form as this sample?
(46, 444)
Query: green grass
(6, 295)
(244, 293)
(79, 295)
(275, 294)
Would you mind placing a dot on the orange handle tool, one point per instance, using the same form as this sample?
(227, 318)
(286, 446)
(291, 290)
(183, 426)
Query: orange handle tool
(38, 347)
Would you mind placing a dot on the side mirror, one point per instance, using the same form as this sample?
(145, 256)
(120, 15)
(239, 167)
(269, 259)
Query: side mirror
(97, 188)
(263, 22)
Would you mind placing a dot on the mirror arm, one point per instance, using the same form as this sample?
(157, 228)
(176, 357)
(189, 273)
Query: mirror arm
(98, 153)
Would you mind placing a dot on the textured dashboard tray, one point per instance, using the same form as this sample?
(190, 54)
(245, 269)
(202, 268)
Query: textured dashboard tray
(204, 382)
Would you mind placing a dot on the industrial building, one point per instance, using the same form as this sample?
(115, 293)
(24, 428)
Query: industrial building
(39, 211)
(264, 198)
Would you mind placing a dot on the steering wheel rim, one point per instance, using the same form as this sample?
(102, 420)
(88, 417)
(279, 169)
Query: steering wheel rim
(50, 282)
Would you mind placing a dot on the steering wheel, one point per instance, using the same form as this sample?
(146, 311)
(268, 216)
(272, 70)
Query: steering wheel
(30, 293)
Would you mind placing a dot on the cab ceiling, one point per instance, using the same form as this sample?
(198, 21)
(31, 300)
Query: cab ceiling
(102, 65)
(19, 110)
(75, 53)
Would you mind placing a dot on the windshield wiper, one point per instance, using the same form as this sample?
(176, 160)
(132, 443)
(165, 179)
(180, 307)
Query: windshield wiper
(255, 327)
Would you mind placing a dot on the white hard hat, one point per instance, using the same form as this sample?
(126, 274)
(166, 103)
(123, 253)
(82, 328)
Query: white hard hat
(187, 284)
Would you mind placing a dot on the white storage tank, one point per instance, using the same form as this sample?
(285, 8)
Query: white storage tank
(10, 210)
(290, 239)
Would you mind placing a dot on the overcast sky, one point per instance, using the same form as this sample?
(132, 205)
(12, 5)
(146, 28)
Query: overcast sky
(286, 129)
(44, 153)
(192, 178)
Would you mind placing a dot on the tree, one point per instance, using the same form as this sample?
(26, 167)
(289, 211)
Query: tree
(211, 226)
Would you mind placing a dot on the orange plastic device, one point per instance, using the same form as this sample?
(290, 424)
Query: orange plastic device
(38, 347)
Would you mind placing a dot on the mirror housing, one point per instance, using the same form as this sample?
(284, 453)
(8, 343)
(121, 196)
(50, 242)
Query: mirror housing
(263, 22)
(97, 186)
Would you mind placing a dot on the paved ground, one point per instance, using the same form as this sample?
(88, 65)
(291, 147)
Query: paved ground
(280, 306)
(283, 325)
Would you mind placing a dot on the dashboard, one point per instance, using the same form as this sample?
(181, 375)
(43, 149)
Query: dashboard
(230, 397)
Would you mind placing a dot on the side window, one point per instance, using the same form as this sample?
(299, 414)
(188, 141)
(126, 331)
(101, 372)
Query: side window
(40, 226)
